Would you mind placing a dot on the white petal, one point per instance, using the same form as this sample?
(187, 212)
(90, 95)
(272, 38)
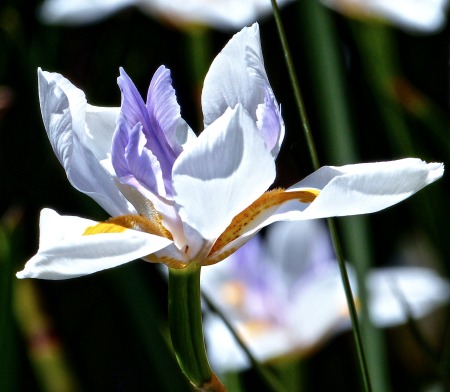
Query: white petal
(63, 109)
(364, 188)
(100, 126)
(418, 16)
(80, 11)
(220, 14)
(221, 174)
(390, 288)
(229, 82)
(349, 190)
(414, 15)
(64, 252)
(237, 75)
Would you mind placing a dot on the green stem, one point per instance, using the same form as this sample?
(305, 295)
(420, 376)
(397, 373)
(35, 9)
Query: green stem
(185, 322)
(296, 87)
(7, 336)
(351, 306)
(325, 69)
(198, 47)
(333, 231)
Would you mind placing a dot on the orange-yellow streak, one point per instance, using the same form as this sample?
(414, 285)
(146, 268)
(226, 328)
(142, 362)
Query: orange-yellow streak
(263, 203)
(104, 227)
(119, 224)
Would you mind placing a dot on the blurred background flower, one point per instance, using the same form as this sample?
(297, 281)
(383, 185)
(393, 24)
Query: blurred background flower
(284, 296)
(419, 16)
(219, 14)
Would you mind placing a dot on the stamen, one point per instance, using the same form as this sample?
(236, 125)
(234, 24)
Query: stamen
(258, 207)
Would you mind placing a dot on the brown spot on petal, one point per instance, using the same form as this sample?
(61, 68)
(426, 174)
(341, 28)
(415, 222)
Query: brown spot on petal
(259, 206)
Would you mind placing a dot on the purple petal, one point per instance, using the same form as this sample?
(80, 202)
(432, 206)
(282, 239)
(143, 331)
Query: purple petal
(133, 108)
(134, 111)
(269, 122)
(133, 163)
(163, 107)
(119, 145)
(143, 164)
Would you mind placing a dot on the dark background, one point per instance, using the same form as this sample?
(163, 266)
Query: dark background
(110, 329)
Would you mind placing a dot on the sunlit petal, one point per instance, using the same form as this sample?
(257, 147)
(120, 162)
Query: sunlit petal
(100, 125)
(237, 75)
(209, 195)
(134, 111)
(68, 248)
(63, 109)
(365, 188)
(163, 108)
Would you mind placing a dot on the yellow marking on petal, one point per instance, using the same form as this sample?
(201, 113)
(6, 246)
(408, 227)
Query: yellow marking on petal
(218, 257)
(169, 261)
(104, 227)
(152, 225)
(119, 224)
(266, 201)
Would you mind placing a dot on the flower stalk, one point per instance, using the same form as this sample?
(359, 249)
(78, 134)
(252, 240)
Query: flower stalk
(296, 87)
(186, 330)
(333, 231)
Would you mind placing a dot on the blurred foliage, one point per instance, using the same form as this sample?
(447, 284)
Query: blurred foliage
(387, 97)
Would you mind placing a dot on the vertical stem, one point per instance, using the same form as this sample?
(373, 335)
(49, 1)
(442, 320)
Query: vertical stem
(351, 307)
(296, 87)
(186, 330)
(7, 336)
(198, 47)
(325, 68)
(331, 224)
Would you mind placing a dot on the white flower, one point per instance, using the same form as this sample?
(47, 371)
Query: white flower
(185, 199)
(221, 14)
(285, 296)
(425, 16)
